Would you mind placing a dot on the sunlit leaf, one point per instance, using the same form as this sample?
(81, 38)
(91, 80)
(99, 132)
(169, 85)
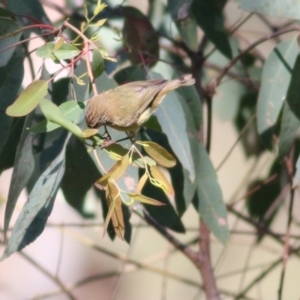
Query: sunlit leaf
(159, 179)
(29, 99)
(89, 132)
(59, 43)
(115, 213)
(115, 173)
(159, 154)
(141, 183)
(99, 7)
(140, 162)
(145, 200)
(66, 51)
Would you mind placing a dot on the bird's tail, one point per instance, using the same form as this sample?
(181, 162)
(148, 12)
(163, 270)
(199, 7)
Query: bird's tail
(183, 80)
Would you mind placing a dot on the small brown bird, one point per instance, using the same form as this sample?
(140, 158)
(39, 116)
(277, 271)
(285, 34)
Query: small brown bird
(127, 107)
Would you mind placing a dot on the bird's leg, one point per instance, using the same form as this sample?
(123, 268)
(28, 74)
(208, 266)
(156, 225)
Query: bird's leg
(106, 136)
(130, 135)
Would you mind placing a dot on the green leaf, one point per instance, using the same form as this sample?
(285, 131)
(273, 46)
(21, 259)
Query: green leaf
(229, 88)
(290, 120)
(11, 77)
(32, 8)
(97, 63)
(53, 114)
(6, 12)
(140, 36)
(81, 90)
(29, 99)
(8, 153)
(71, 110)
(23, 168)
(66, 51)
(209, 17)
(79, 177)
(276, 77)
(185, 22)
(284, 9)
(33, 217)
(209, 200)
(8, 37)
(260, 201)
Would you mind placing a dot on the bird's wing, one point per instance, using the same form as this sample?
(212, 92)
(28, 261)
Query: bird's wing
(146, 93)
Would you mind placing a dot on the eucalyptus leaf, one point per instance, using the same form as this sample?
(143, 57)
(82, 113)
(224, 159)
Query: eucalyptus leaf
(9, 35)
(276, 77)
(29, 99)
(33, 217)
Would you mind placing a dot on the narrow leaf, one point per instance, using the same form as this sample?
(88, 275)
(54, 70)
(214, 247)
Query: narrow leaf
(145, 200)
(290, 120)
(97, 63)
(276, 77)
(115, 213)
(115, 173)
(209, 17)
(209, 200)
(11, 77)
(23, 168)
(33, 217)
(9, 36)
(141, 183)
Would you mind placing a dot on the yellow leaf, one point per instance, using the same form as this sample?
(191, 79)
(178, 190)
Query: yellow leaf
(59, 43)
(115, 172)
(89, 132)
(99, 23)
(145, 199)
(115, 213)
(159, 179)
(159, 154)
(140, 161)
(99, 7)
(141, 183)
